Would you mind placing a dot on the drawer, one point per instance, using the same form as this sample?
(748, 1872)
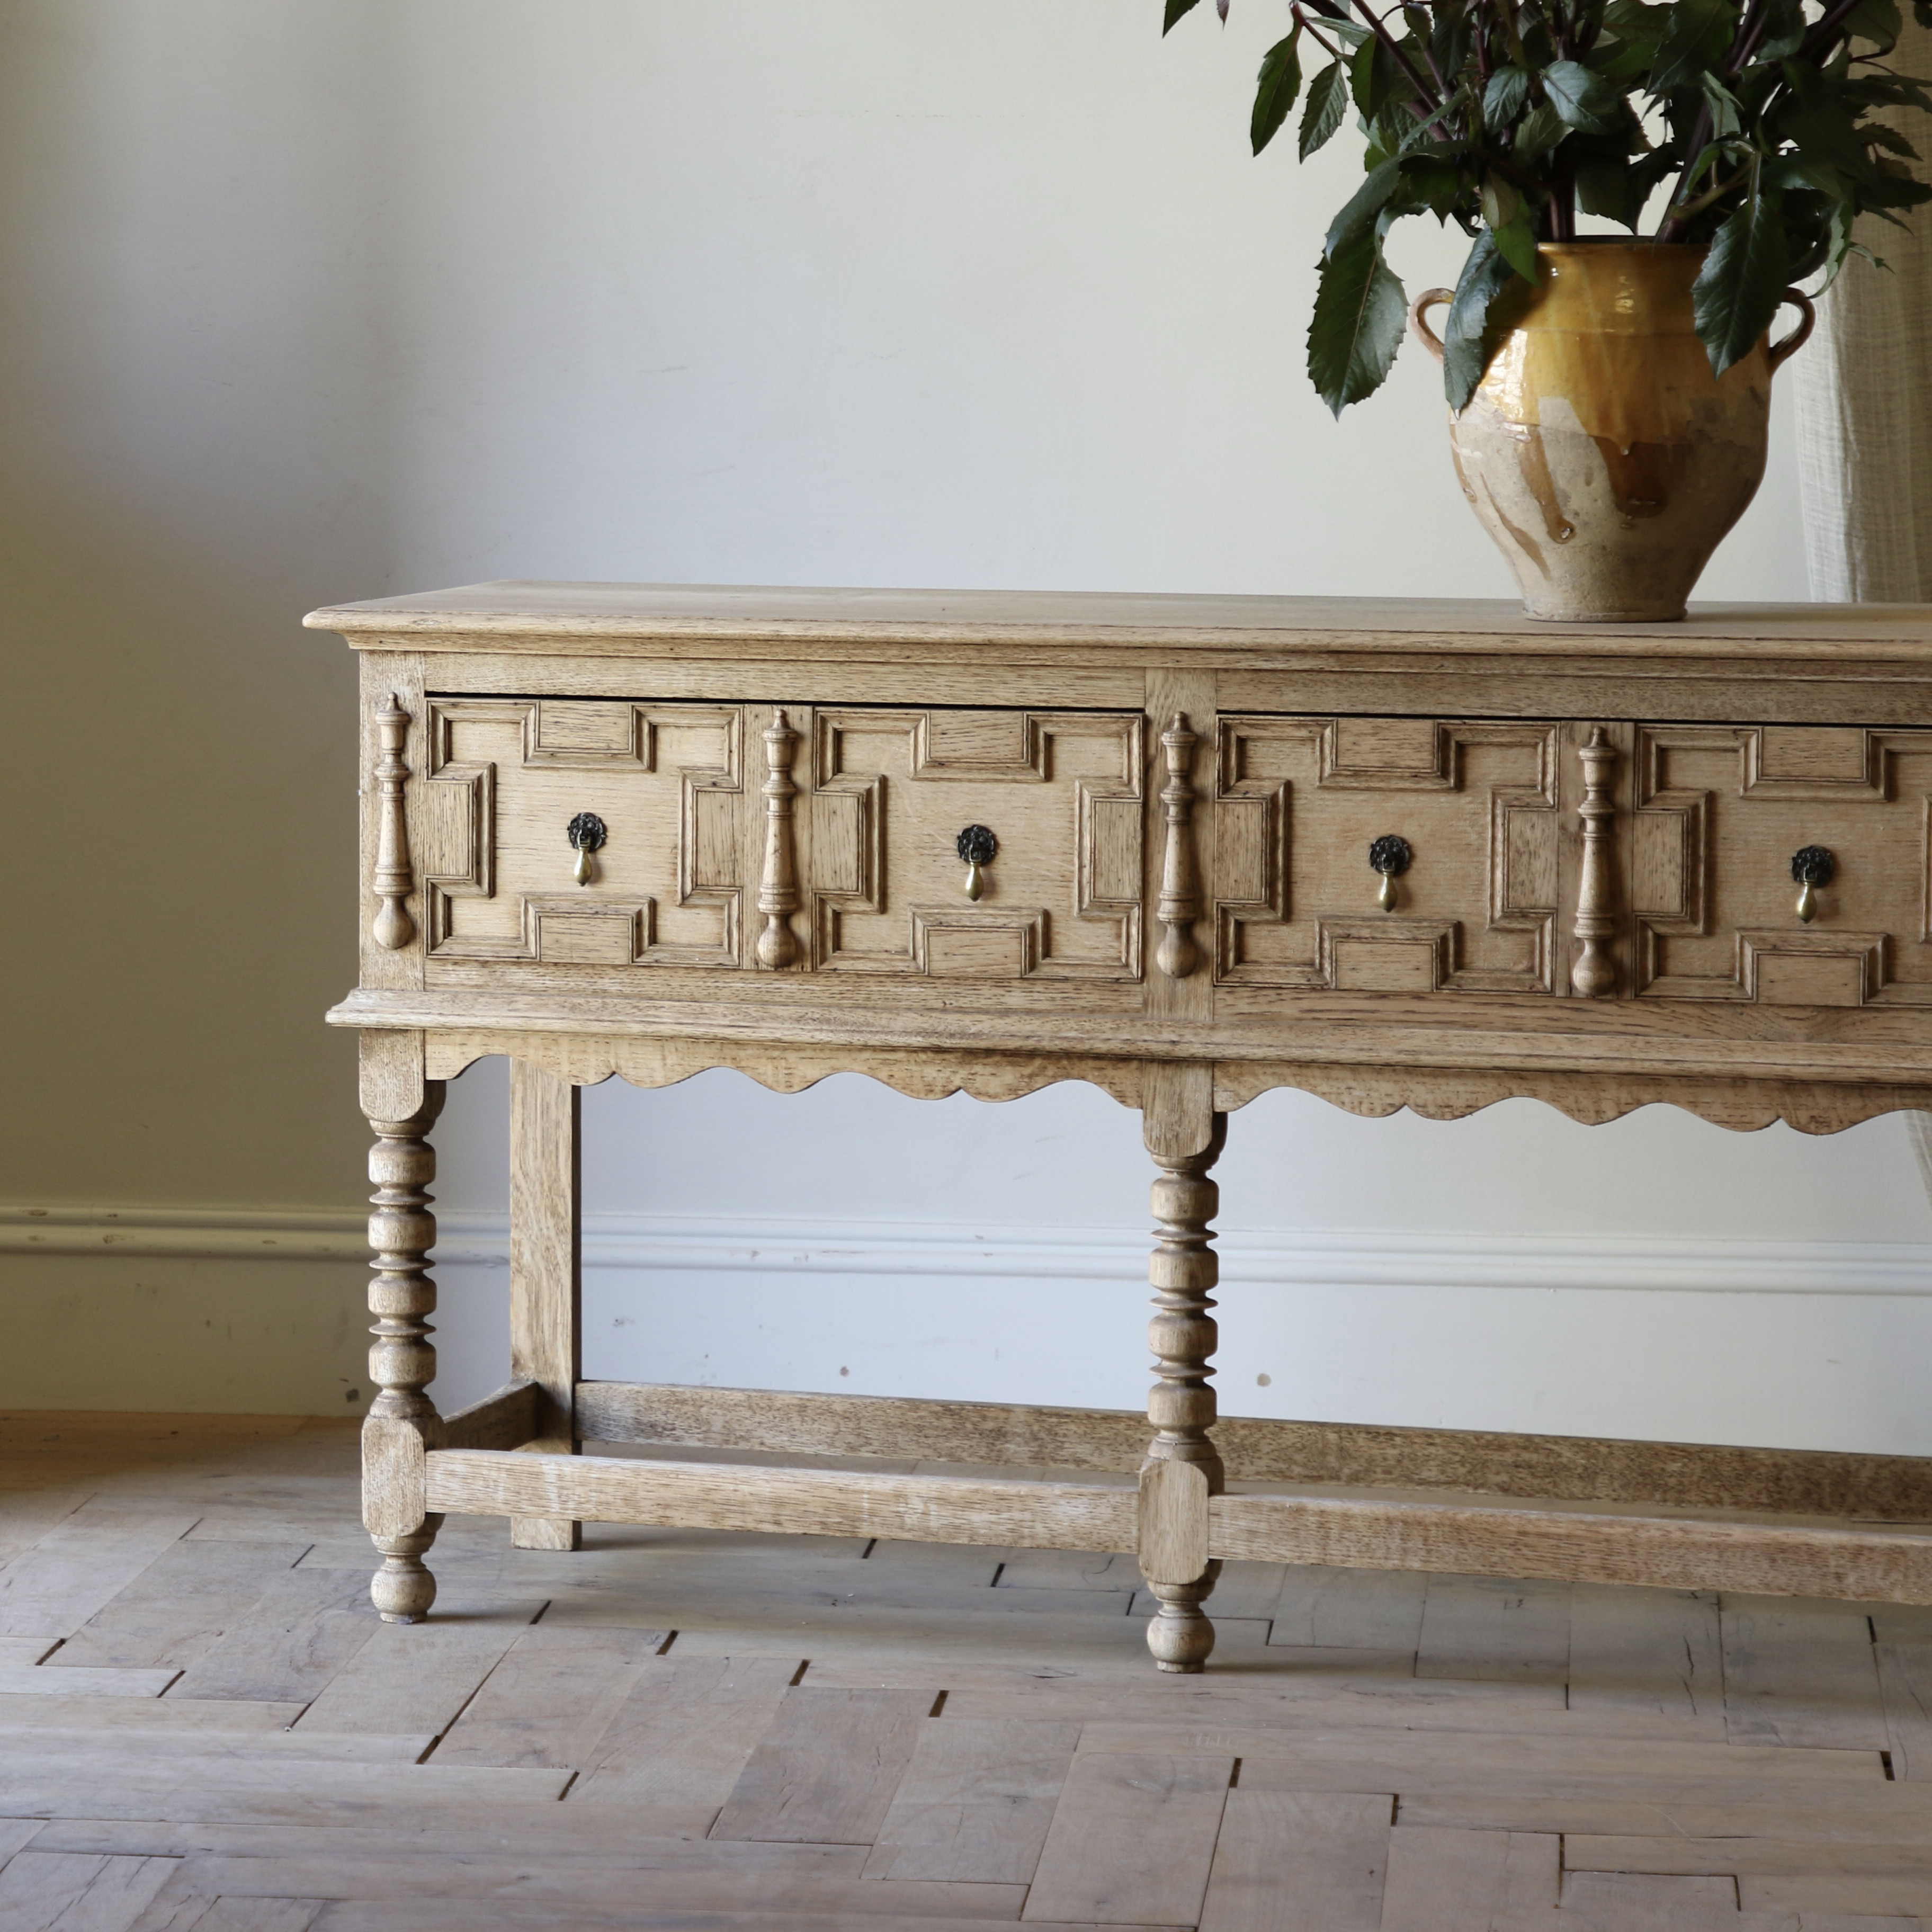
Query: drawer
(1055, 797)
(1299, 802)
(803, 839)
(1720, 811)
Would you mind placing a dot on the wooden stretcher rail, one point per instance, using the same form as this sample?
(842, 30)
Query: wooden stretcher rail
(822, 1502)
(1573, 1545)
(1671, 1475)
(506, 1420)
(1579, 1544)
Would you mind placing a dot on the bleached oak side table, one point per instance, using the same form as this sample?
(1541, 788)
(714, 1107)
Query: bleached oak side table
(1415, 854)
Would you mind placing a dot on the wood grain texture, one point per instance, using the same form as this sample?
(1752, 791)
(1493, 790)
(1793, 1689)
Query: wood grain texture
(975, 1802)
(1132, 1841)
(1581, 1468)
(1450, 1881)
(1300, 1861)
(1801, 1674)
(1040, 1714)
(1640, 1656)
(550, 1698)
(180, 1605)
(546, 1274)
(781, 775)
(673, 1751)
(718, 1495)
(1495, 1629)
(509, 1419)
(1567, 1545)
(563, 614)
(826, 1770)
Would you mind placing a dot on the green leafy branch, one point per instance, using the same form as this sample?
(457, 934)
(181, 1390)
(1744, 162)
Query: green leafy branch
(1509, 117)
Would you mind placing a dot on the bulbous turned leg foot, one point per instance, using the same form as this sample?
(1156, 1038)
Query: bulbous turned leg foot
(1183, 1471)
(403, 1589)
(1180, 1636)
(402, 1422)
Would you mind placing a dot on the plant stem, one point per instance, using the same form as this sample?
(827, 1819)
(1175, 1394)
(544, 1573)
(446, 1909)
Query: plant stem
(1672, 223)
(1328, 47)
(1401, 60)
(1827, 31)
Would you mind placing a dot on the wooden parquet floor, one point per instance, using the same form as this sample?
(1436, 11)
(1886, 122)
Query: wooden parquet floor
(203, 1725)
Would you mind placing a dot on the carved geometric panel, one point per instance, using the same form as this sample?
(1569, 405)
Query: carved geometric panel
(1719, 811)
(505, 778)
(1299, 800)
(1060, 791)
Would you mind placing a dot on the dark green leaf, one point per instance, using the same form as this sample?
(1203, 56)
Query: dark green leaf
(1362, 207)
(1175, 9)
(1431, 180)
(1824, 131)
(1327, 99)
(1603, 187)
(1624, 61)
(1277, 85)
(1727, 116)
(1736, 293)
(1516, 241)
(1792, 171)
(1500, 201)
(1541, 129)
(1876, 21)
(1698, 37)
(1586, 101)
(1375, 77)
(1503, 99)
(1785, 28)
(1465, 355)
(1356, 329)
(1449, 44)
(1632, 16)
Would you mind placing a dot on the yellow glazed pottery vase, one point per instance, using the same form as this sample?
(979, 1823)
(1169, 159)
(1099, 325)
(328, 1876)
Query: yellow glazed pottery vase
(1599, 450)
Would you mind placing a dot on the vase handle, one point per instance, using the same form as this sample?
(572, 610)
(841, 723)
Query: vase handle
(1781, 351)
(1421, 331)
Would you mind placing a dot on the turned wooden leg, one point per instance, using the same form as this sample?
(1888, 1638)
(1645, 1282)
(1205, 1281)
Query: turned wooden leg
(546, 1314)
(1183, 1467)
(402, 1423)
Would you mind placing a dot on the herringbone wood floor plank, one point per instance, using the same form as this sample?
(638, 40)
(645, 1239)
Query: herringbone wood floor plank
(203, 1728)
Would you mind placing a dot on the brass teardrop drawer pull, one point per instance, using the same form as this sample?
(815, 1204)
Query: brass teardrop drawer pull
(587, 833)
(1811, 866)
(977, 849)
(1389, 856)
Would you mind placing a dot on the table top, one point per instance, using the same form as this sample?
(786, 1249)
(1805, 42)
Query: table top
(509, 610)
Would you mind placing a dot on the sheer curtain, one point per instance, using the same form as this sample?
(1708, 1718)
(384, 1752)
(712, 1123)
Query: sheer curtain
(1865, 403)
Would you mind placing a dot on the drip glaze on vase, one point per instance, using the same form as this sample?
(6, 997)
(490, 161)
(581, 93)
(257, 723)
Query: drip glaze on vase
(1602, 456)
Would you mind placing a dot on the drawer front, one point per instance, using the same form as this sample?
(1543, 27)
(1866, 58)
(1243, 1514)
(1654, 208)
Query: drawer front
(1720, 813)
(816, 840)
(893, 794)
(1298, 803)
(505, 778)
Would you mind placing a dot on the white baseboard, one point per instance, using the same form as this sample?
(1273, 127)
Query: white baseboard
(1318, 1258)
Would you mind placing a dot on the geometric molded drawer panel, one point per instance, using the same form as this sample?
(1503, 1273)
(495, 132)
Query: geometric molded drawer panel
(506, 777)
(1720, 812)
(1060, 793)
(1298, 803)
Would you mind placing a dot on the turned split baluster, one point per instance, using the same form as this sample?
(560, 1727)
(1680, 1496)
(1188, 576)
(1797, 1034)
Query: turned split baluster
(1183, 1467)
(778, 889)
(1595, 973)
(402, 1423)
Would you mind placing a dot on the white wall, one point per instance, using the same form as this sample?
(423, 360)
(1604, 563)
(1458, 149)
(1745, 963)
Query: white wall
(339, 297)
